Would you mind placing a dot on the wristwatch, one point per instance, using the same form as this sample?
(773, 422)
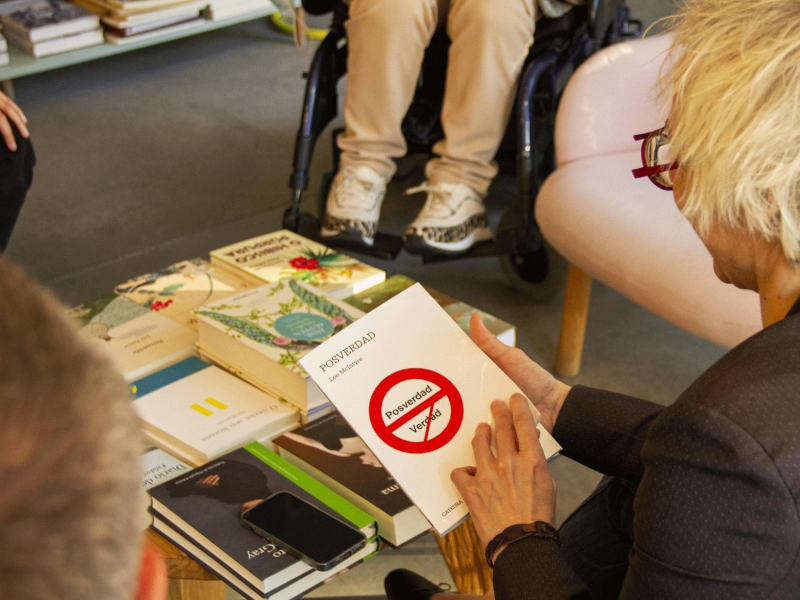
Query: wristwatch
(514, 533)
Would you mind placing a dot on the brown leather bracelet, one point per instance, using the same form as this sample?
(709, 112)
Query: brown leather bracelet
(514, 533)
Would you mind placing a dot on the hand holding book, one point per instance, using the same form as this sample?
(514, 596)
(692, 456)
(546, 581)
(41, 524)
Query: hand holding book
(545, 391)
(513, 487)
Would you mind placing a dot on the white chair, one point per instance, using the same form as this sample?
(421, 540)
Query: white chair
(621, 231)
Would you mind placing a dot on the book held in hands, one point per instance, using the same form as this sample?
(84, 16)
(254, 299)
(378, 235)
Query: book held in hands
(414, 388)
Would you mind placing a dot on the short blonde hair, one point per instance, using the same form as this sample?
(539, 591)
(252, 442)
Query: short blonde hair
(69, 457)
(734, 77)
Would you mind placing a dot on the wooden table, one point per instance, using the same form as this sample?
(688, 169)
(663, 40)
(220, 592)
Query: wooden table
(461, 549)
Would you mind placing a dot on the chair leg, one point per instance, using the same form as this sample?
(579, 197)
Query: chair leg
(573, 322)
(463, 552)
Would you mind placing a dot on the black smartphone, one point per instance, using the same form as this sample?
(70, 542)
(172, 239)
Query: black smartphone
(303, 530)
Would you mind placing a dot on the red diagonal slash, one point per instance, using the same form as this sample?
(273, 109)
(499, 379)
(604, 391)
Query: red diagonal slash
(416, 410)
(428, 426)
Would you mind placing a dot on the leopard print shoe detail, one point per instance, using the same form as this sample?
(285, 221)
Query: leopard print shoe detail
(366, 229)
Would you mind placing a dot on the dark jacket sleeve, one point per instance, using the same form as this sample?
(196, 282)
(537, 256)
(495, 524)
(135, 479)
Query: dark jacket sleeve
(605, 431)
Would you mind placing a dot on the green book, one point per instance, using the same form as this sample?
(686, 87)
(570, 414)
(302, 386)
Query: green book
(460, 312)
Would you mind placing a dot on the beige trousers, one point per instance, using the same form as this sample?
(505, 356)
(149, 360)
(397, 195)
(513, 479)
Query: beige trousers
(387, 41)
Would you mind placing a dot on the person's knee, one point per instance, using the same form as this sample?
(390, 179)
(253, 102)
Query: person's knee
(497, 17)
(386, 18)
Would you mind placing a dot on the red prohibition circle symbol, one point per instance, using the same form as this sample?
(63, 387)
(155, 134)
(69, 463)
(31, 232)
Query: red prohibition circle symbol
(387, 431)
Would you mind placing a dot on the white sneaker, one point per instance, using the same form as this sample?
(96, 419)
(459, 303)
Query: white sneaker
(452, 220)
(354, 205)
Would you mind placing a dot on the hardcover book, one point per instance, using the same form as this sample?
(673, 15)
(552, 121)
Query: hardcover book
(204, 506)
(40, 20)
(199, 412)
(177, 290)
(137, 340)
(414, 388)
(283, 254)
(291, 591)
(460, 312)
(57, 45)
(157, 467)
(263, 332)
(331, 452)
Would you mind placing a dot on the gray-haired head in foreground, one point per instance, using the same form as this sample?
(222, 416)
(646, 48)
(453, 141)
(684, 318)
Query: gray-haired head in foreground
(69, 443)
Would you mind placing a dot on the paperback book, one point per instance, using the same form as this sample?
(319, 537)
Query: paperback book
(198, 412)
(330, 451)
(284, 254)
(157, 467)
(459, 311)
(178, 290)
(41, 20)
(414, 388)
(262, 333)
(137, 340)
(204, 507)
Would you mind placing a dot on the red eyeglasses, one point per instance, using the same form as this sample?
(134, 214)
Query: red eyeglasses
(657, 164)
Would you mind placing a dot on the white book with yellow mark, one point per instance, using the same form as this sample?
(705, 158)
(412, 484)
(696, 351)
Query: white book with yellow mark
(199, 412)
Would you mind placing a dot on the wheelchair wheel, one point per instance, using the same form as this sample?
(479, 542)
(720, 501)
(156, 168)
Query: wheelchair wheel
(538, 275)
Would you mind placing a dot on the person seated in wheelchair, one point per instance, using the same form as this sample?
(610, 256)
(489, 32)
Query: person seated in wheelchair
(700, 497)
(387, 40)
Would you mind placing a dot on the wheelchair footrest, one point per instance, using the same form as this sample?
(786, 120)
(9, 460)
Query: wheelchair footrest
(386, 246)
(480, 250)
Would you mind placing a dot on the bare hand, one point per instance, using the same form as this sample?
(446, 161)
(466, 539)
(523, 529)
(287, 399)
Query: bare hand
(545, 391)
(9, 110)
(516, 486)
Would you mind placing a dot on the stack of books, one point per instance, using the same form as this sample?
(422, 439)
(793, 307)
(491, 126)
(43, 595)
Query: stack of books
(45, 27)
(4, 60)
(261, 334)
(199, 513)
(131, 21)
(220, 10)
(198, 412)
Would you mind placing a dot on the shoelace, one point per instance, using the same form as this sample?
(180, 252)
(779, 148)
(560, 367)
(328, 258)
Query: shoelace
(436, 197)
(354, 188)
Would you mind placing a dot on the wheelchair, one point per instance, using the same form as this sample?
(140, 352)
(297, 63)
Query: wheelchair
(560, 46)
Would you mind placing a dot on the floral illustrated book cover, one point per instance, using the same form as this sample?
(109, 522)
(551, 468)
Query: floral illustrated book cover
(281, 322)
(284, 254)
(178, 290)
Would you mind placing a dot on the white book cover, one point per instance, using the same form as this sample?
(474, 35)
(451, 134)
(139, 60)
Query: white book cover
(414, 387)
(157, 467)
(139, 341)
(202, 412)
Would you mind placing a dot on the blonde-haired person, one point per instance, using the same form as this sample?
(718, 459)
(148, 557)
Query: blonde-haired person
(700, 498)
(69, 461)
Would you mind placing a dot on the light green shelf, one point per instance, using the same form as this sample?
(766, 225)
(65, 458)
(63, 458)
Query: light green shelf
(22, 64)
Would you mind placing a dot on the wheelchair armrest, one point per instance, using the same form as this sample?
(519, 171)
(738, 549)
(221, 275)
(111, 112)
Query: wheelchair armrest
(610, 98)
(319, 7)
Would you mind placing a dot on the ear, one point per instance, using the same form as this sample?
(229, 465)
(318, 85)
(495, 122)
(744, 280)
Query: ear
(152, 581)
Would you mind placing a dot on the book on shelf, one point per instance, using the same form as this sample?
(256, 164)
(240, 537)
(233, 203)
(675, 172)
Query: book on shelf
(3, 45)
(40, 20)
(198, 412)
(178, 290)
(460, 312)
(132, 7)
(204, 505)
(262, 333)
(284, 254)
(113, 37)
(134, 31)
(414, 388)
(157, 467)
(219, 11)
(137, 340)
(58, 45)
(123, 20)
(330, 451)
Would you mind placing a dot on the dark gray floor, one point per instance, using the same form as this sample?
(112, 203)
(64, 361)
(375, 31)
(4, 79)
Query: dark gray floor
(166, 153)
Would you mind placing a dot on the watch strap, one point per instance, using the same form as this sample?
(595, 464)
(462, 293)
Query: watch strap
(520, 531)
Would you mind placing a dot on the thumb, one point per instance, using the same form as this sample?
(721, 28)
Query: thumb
(484, 339)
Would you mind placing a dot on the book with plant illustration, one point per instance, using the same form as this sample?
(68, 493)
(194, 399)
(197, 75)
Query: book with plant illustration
(284, 254)
(264, 332)
(178, 290)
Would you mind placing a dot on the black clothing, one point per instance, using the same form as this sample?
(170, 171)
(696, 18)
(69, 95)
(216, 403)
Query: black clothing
(16, 175)
(716, 512)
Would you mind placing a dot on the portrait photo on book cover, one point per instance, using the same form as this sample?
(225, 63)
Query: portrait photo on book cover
(347, 459)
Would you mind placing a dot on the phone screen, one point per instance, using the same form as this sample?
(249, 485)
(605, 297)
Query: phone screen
(304, 528)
